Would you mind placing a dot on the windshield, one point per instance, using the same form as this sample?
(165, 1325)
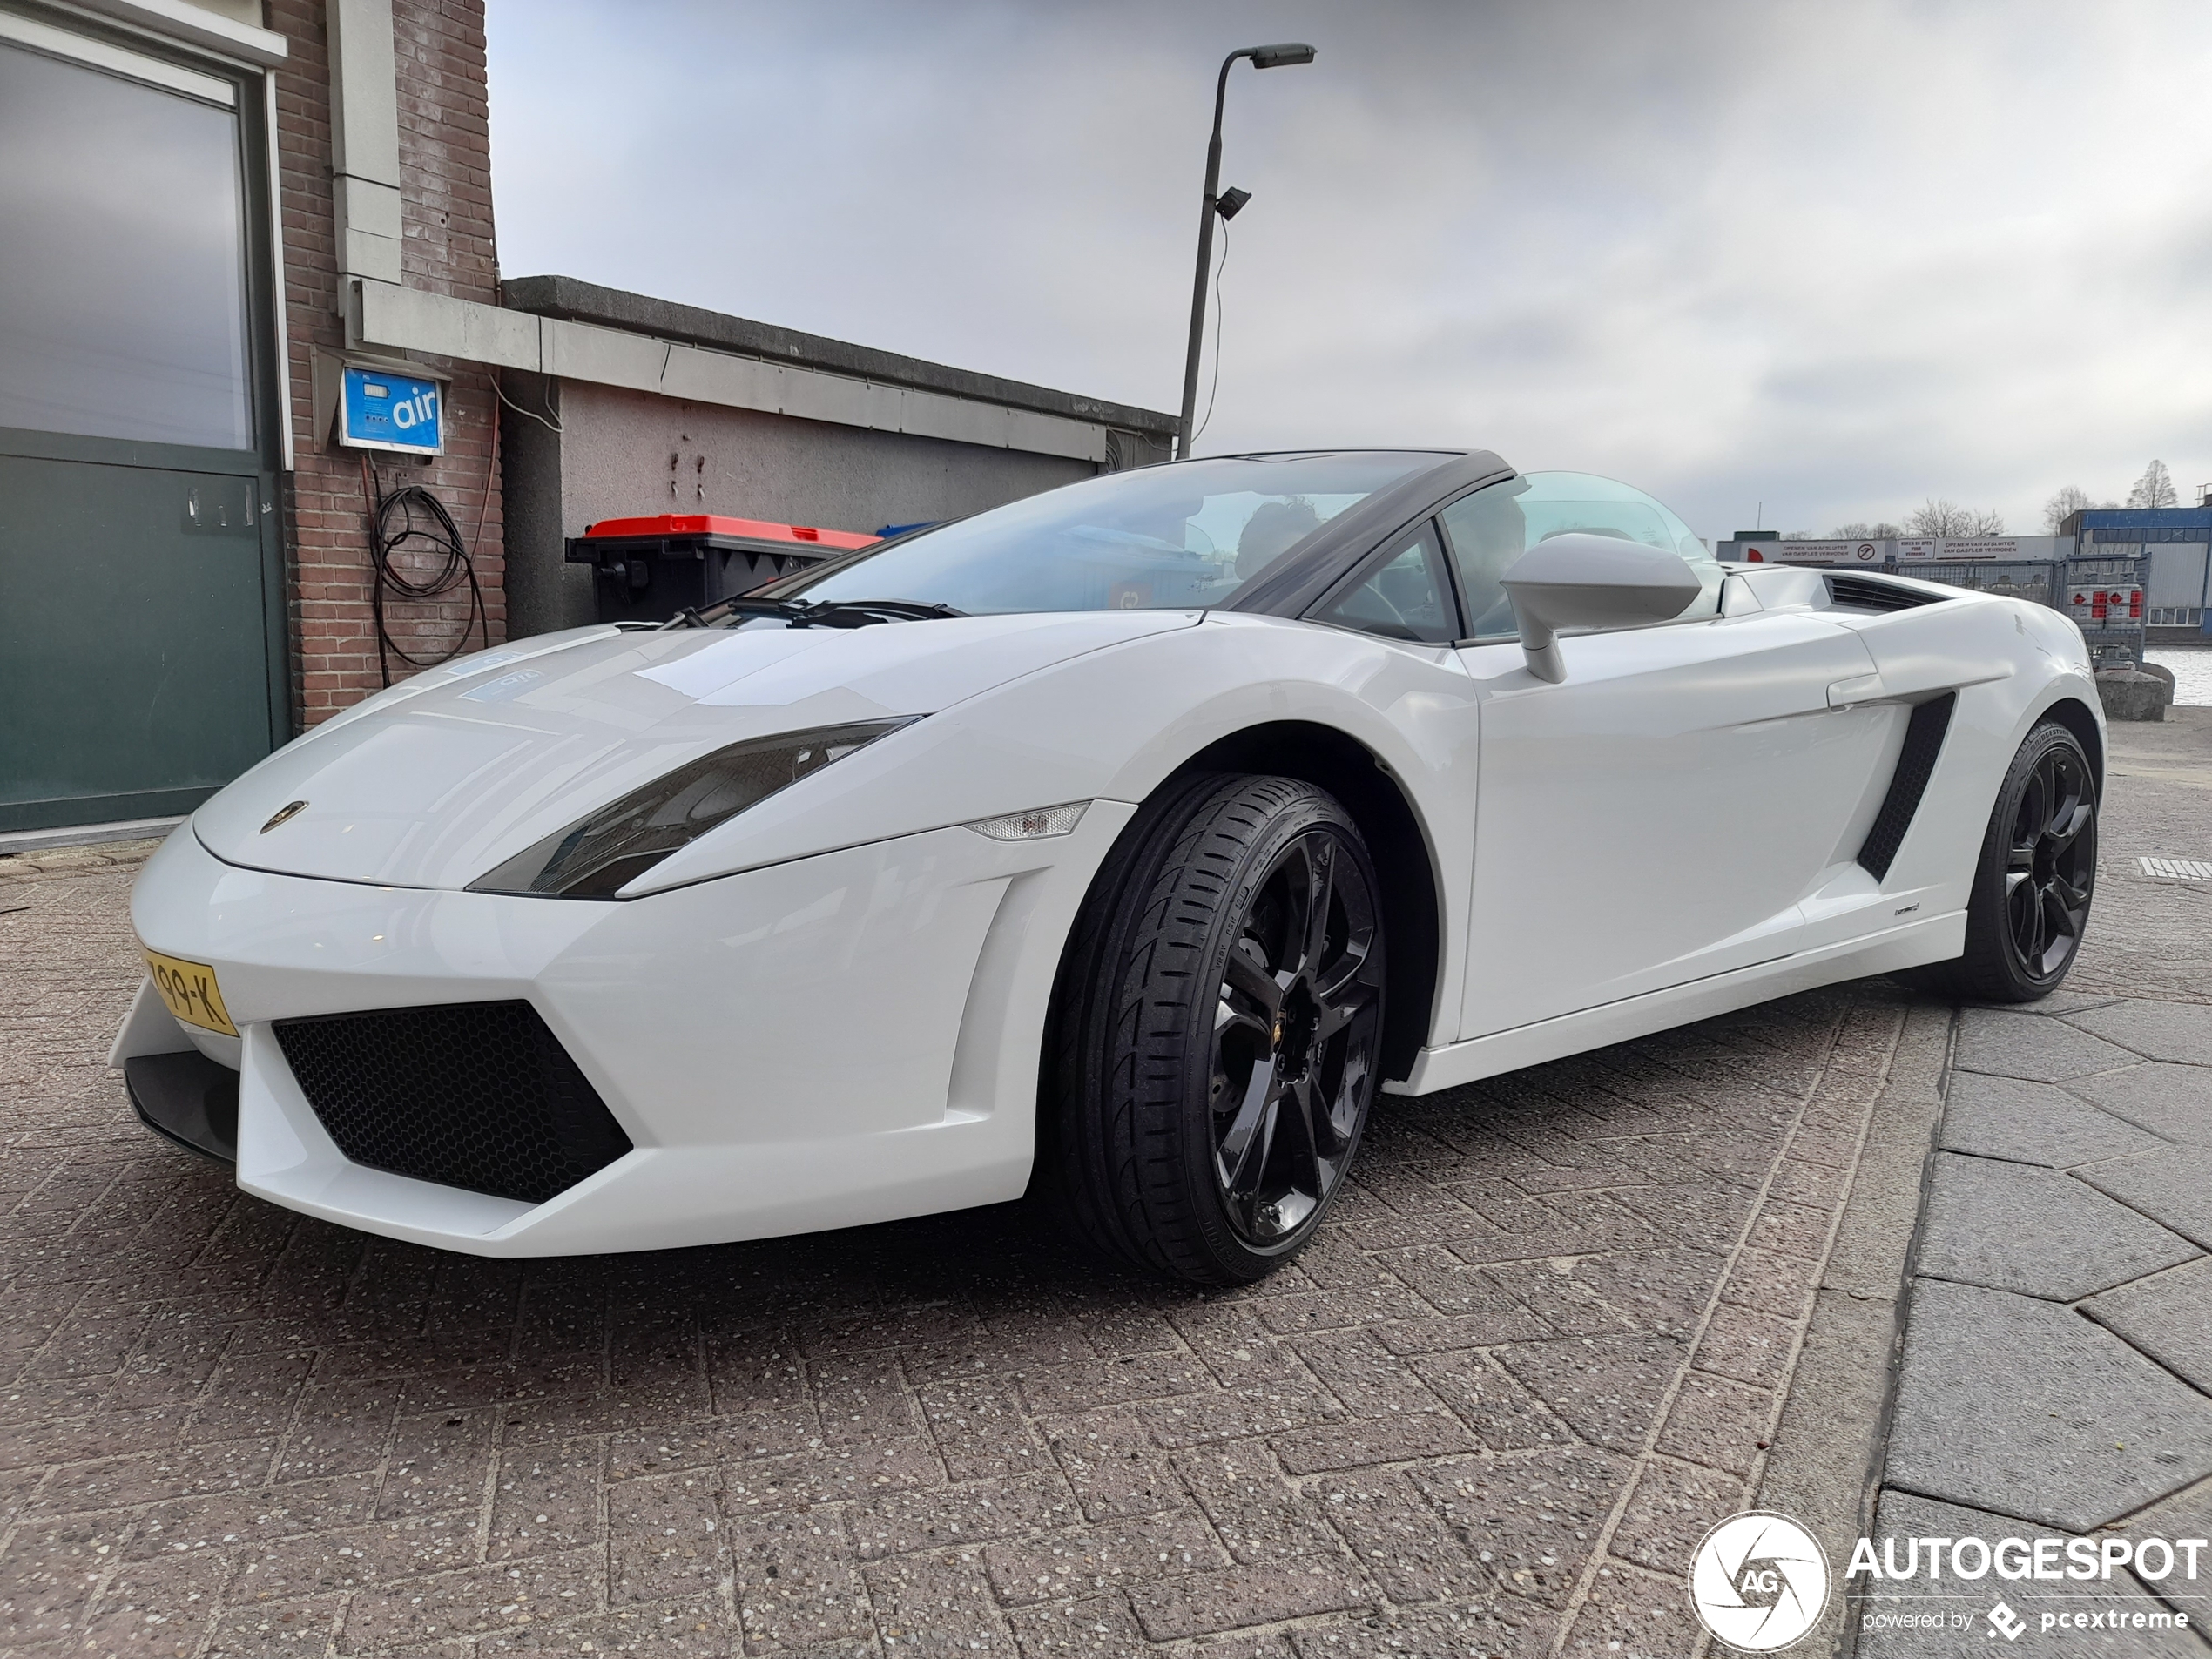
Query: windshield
(1181, 536)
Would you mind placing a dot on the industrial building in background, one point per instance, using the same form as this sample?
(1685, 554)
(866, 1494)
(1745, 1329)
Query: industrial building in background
(253, 344)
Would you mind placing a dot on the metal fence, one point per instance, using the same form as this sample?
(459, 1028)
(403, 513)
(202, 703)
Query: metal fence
(2103, 592)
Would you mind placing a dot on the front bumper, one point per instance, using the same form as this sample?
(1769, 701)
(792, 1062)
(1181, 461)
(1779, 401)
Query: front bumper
(843, 1039)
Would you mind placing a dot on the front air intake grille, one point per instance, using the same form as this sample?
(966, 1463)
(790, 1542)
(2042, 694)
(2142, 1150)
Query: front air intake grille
(472, 1094)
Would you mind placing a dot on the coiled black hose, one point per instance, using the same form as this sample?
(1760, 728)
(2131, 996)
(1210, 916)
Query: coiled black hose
(411, 520)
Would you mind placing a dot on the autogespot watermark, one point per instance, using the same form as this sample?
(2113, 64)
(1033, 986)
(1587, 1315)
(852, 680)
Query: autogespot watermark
(2027, 1561)
(1759, 1582)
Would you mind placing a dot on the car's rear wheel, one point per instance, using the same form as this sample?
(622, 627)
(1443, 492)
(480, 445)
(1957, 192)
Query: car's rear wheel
(2037, 874)
(1215, 1030)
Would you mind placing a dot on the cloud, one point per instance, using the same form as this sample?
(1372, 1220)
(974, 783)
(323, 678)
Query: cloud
(1830, 260)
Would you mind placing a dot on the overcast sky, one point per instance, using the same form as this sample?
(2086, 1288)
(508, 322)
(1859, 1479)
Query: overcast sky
(1831, 259)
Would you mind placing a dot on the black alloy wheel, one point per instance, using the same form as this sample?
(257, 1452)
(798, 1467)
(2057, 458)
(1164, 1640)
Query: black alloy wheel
(2051, 863)
(1217, 1030)
(1294, 1039)
(2036, 875)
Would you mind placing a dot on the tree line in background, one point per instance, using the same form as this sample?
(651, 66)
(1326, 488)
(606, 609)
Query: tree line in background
(1937, 517)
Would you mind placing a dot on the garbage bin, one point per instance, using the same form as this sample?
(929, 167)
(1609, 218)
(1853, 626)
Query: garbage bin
(650, 569)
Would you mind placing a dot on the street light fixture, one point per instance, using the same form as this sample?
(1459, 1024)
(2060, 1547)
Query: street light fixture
(1228, 204)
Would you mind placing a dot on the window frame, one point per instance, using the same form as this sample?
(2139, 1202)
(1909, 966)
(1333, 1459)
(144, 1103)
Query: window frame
(1386, 552)
(1467, 636)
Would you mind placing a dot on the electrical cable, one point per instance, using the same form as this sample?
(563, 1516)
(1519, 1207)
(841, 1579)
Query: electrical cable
(412, 520)
(546, 420)
(1220, 323)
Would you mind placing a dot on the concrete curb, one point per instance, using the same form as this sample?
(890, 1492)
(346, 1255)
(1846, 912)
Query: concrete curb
(136, 829)
(1825, 1465)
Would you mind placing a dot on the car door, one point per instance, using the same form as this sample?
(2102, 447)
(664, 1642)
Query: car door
(1657, 816)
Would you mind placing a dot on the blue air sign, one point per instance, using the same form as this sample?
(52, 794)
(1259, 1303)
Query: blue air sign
(380, 411)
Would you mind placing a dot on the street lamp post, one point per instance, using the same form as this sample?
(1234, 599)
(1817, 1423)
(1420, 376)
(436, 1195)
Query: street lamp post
(1263, 57)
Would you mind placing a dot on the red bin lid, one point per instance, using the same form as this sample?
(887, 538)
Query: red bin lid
(750, 530)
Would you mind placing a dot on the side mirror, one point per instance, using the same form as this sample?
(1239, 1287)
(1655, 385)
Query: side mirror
(1581, 581)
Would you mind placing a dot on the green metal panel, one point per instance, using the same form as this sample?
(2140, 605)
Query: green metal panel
(135, 666)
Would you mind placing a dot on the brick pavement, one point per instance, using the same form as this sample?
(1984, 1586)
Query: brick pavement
(1540, 1348)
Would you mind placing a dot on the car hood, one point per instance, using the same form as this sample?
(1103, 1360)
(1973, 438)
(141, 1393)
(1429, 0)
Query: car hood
(460, 768)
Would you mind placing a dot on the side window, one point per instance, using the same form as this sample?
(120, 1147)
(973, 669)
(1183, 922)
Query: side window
(1488, 532)
(1404, 594)
(1492, 528)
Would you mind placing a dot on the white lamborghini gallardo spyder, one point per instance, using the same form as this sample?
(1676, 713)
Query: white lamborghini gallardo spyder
(1121, 845)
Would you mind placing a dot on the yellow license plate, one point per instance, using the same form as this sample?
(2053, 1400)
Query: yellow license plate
(189, 989)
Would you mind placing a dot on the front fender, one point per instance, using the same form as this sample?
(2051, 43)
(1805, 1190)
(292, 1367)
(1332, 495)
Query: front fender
(1113, 724)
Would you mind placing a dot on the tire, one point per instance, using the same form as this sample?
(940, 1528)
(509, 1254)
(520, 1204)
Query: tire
(1212, 1054)
(2032, 886)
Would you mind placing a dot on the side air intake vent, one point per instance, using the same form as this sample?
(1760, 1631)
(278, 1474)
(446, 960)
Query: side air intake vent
(1915, 765)
(474, 1094)
(1869, 593)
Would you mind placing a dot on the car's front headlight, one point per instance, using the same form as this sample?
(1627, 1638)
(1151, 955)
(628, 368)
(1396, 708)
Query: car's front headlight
(599, 854)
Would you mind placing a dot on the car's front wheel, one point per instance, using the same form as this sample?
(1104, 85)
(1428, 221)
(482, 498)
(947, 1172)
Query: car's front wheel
(1215, 1031)
(2038, 871)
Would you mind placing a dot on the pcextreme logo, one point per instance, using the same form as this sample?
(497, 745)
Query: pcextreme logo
(1758, 1581)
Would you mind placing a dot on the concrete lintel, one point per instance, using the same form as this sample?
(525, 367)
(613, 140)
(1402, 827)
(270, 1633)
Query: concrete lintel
(196, 25)
(364, 253)
(825, 397)
(365, 205)
(388, 317)
(716, 377)
(391, 318)
(931, 415)
(698, 375)
(577, 351)
(575, 301)
(1048, 435)
(364, 91)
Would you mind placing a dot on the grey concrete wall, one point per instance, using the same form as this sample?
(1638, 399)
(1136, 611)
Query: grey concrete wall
(621, 454)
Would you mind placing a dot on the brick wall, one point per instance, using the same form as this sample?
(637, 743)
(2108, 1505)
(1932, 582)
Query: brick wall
(445, 162)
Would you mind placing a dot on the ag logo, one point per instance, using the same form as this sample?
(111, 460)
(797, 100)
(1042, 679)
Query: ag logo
(1758, 1581)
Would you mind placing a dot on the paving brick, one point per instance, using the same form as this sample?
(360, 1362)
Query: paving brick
(829, 1476)
(1112, 1464)
(937, 1603)
(1205, 1603)
(1070, 1564)
(980, 1428)
(1718, 1422)
(1606, 1389)
(1375, 1440)
(1399, 1537)
(1365, 1377)
(1258, 1514)
(1102, 1625)
(1674, 1505)
(893, 1523)
(546, 1497)
(665, 1538)
(1632, 1612)
(1264, 1409)
(1535, 1521)
(797, 1583)
(477, 1601)
(1747, 1345)
(1502, 1413)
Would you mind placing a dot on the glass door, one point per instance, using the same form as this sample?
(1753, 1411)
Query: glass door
(141, 614)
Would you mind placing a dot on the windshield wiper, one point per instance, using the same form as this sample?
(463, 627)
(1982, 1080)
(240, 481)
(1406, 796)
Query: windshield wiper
(797, 613)
(832, 612)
